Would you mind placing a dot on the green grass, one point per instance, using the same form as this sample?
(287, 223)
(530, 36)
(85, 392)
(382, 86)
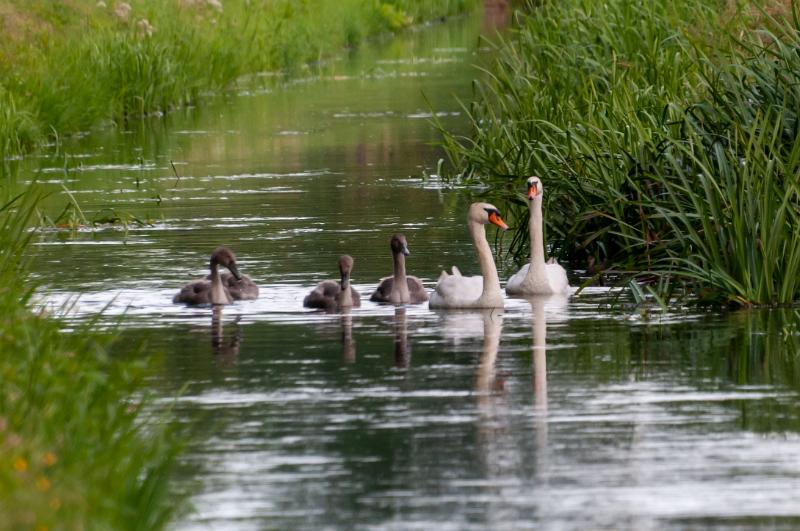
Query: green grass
(665, 135)
(73, 65)
(79, 451)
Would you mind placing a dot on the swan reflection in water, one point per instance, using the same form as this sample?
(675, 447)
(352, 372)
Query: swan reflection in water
(486, 381)
(498, 454)
(540, 306)
(496, 412)
(225, 347)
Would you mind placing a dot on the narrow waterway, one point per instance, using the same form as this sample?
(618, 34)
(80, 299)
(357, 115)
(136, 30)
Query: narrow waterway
(551, 413)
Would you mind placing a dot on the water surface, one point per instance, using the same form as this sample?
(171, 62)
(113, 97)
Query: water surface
(551, 413)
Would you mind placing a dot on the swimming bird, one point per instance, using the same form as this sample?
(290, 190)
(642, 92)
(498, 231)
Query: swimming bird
(211, 290)
(241, 289)
(399, 288)
(538, 277)
(333, 295)
(458, 291)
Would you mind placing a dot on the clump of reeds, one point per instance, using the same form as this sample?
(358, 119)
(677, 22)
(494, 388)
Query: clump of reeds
(78, 449)
(664, 149)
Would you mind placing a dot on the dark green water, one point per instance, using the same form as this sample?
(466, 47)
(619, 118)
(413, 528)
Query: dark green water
(549, 414)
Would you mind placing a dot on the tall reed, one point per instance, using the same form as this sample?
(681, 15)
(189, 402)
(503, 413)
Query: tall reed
(647, 131)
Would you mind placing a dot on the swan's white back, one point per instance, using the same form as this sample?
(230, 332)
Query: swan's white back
(456, 290)
(554, 281)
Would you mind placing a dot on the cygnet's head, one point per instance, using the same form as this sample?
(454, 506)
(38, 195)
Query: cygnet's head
(345, 265)
(399, 245)
(225, 257)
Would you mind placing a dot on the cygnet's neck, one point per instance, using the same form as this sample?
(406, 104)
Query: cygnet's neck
(399, 282)
(218, 293)
(345, 295)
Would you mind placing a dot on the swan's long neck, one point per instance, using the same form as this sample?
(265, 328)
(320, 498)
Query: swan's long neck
(491, 282)
(537, 238)
(399, 283)
(345, 295)
(218, 294)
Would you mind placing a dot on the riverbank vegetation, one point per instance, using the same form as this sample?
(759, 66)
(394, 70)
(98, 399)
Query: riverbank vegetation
(68, 66)
(666, 134)
(77, 450)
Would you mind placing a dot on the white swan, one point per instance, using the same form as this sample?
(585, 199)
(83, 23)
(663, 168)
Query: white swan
(458, 291)
(537, 277)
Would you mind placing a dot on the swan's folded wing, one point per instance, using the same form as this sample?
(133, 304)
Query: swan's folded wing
(457, 292)
(323, 295)
(195, 292)
(514, 284)
(244, 289)
(557, 276)
(416, 290)
(384, 289)
(355, 296)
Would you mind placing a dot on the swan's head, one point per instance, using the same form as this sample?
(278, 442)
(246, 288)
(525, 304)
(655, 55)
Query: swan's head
(225, 257)
(535, 188)
(345, 265)
(400, 245)
(485, 213)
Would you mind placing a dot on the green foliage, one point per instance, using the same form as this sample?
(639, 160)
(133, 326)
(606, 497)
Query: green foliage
(18, 130)
(78, 450)
(662, 148)
(84, 63)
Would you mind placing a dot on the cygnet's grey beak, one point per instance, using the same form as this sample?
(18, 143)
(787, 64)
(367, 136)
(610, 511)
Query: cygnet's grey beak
(235, 271)
(406, 251)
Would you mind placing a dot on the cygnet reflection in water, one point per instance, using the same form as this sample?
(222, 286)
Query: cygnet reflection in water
(225, 346)
(348, 344)
(402, 352)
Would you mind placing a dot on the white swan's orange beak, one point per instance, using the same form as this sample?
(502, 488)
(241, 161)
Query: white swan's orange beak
(533, 190)
(495, 219)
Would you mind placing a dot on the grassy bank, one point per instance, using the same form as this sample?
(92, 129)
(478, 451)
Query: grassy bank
(75, 450)
(72, 65)
(666, 136)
